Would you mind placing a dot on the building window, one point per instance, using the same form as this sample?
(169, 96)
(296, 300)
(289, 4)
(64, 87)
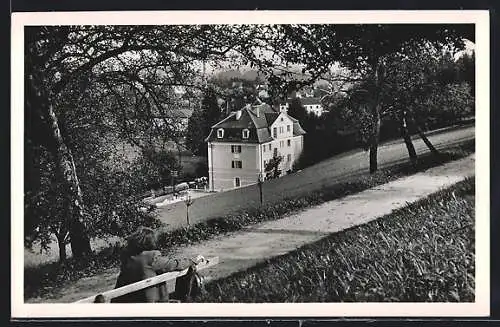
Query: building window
(281, 129)
(269, 147)
(281, 118)
(237, 182)
(264, 148)
(275, 154)
(288, 128)
(246, 133)
(281, 144)
(220, 133)
(275, 132)
(236, 164)
(289, 157)
(288, 142)
(235, 148)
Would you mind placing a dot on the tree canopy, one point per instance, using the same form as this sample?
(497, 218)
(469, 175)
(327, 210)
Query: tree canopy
(364, 49)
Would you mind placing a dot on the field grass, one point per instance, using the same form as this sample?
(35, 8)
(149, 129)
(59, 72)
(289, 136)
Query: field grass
(41, 279)
(421, 252)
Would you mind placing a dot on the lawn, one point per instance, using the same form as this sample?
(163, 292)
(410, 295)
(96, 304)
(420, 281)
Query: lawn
(422, 252)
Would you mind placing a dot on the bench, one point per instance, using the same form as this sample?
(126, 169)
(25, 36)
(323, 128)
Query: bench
(106, 297)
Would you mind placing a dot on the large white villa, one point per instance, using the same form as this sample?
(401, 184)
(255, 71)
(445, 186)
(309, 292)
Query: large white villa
(240, 145)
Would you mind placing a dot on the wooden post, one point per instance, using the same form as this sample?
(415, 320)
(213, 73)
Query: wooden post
(188, 203)
(259, 182)
(407, 139)
(173, 174)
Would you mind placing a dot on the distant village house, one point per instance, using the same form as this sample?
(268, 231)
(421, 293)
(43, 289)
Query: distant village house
(311, 105)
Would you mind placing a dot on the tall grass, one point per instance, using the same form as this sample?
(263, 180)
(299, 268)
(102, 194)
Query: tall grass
(422, 252)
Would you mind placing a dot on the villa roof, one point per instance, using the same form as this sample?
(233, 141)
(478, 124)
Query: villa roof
(257, 119)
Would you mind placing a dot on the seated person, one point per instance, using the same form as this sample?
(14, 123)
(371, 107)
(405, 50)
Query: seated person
(140, 259)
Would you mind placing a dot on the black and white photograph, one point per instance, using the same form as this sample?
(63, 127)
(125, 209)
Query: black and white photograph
(250, 163)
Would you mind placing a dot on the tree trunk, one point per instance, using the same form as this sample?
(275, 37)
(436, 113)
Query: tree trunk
(65, 165)
(409, 144)
(38, 103)
(80, 242)
(179, 152)
(374, 141)
(378, 77)
(62, 249)
(424, 138)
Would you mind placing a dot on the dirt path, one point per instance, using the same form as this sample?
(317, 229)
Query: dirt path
(243, 249)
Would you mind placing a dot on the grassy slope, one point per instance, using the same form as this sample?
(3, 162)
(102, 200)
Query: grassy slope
(422, 252)
(40, 280)
(327, 173)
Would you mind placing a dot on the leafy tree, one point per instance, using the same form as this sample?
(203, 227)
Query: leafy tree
(297, 110)
(201, 169)
(42, 202)
(467, 70)
(362, 49)
(421, 87)
(120, 78)
(201, 122)
(316, 132)
(110, 187)
(154, 167)
(235, 91)
(271, 169)
(195, 132)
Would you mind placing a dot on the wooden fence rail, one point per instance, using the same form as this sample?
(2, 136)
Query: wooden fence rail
(108, 295)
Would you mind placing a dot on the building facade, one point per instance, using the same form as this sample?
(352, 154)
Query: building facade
(241, 145)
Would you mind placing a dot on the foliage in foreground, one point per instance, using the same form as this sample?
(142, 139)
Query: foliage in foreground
(42, 279)
(422, 252)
